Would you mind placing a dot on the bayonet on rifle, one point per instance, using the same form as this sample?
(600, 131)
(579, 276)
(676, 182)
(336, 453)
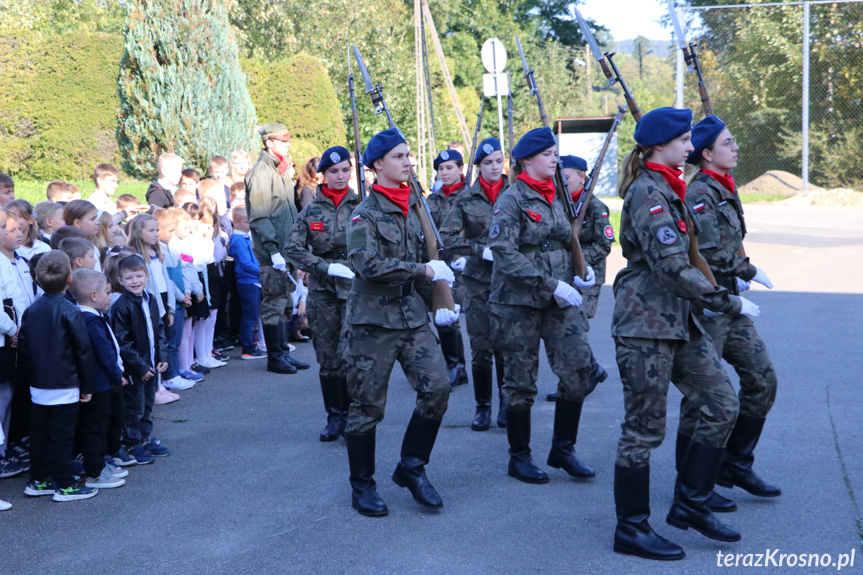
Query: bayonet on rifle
(470, 158)
(509, 121)
(594, 47)
(358, 158)
(690, 56)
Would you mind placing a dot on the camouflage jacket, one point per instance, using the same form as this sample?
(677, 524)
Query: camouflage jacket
(596, 237)
(465, 230)
(270, 203)
(652, 294)
(386, 251)
(439, 205)
(319, 238)
(722, 230)
(530, 242)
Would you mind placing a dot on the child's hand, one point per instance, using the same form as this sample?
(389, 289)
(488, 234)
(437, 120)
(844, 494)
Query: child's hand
(200, 297)
(187, 301)
(86, 397)
(14, 338)
(161, 366)
(125, 382)
(170, 319)
(150, 373)
(301, 308)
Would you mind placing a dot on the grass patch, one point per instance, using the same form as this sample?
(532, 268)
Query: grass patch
(34, 190)
(762, 198)
(614, 218)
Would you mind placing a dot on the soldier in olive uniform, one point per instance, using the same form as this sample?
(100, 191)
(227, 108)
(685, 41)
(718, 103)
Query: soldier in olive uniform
(711, 197)
(531, 300)
(448, 166)
(465, 233)
(595, 238)
(388, 321)
(659, 340)
(269, 198)
(319, 246)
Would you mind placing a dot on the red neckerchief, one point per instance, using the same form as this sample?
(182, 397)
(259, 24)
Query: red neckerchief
(491, 190)
(447, 190)
(727, 180)
(335, 196)
(400, 196)
(671, 176)
(546, 188)
(576, 195)
(283, 163)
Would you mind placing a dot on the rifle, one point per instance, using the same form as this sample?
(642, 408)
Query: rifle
(441, 292)
(630, 100)
(472, 155)
(509, 121)
(690, 55)
(581, 206)
(594, 47)
(358, 162)
(579, 265)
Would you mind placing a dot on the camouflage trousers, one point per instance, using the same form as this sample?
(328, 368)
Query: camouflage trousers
(327, 320)
(371, 353)
(646, 367)
(517, 332)
(478, 321)
(276, 290)
(737, 342)
(591, 300)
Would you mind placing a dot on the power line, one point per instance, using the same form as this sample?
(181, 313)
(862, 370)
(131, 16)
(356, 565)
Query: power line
(768, 4)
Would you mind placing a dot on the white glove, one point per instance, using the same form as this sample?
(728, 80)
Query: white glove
(441, 271)
(279, 262)
(340, 271)
(487, 255)
(708, 313)
(587, 282)
(445, 316)
(762, 278)
(749, 308)
(459, 264)
(742, 285)
(567, 293)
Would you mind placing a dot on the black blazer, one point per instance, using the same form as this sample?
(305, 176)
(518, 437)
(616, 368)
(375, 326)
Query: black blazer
(130, 329)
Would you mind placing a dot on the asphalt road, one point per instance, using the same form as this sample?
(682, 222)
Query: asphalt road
(250, 489)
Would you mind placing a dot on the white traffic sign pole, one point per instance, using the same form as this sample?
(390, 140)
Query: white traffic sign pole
(494, 59)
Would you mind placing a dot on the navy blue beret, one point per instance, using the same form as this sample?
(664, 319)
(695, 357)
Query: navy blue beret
(333, 156)
(485, 148)
(704, 134)
(662, 125)
(446, 156)
(534, 142)
(380, 145)
(573, 163)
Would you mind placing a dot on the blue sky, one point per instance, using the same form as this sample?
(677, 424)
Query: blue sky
(628, 18)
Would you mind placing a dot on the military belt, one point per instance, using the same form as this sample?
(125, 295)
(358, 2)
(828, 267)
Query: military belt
(381, 289)
(639, 266)
(335, 255)
(548, 246)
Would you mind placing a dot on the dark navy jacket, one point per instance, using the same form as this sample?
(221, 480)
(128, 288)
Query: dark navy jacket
(107, 372)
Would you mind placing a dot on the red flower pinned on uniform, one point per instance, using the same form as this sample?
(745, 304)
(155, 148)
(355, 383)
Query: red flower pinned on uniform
(681, 225)
(534, 216)
(316, 226)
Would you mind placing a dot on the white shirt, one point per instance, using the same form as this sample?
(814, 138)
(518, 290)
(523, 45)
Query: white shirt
(9, 290)
(102, 202)
(38, 248)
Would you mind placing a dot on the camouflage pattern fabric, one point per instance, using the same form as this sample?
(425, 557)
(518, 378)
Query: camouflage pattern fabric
(653, 293)
(478, 322)
(328, 321)
(371, 353)
(517, 331)
(439, 205)
(319, 238)
(646, 367)
(276, 290)
(596, 237)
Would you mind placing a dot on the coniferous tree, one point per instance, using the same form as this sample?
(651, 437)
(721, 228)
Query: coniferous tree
(181, 86)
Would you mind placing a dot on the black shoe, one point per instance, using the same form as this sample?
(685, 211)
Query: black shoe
(416, 449)
(521, 465)
(299, 364)
(361, 459)
(551, 396)
(275, 357)
(717, 503)
(448, 336)
(567, 415)
(633, 534)
(331, 392)
(597, 375)
(736, 468)
(482, 418)
(461, 368)
(501, 410)
(695, 481)
(482, 393)
(200, 368)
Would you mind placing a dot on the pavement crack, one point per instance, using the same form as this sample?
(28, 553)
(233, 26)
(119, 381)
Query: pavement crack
(845, 476)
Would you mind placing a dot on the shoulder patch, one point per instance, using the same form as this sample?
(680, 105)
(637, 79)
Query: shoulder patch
(698, 207)
(494, 231)
(355, 218)
(604, 214)
(722, 203)
(666, 235)
(496, 212)
(657, 209)
(534, 216)
(608, 232)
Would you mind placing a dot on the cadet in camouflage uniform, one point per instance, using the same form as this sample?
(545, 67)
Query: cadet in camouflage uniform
(530, 241)
(319, 246)
(465, 233)
(711, 197)
(448, 165)
(595, 238)
(269, 199)
(658, 339)
(388, 321)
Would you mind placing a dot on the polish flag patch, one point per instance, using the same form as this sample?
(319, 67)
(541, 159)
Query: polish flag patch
(657, 209)
(534, 216)
(698, 207)
(496, 212)
(604, 214)
(355, 218)
(316, 226)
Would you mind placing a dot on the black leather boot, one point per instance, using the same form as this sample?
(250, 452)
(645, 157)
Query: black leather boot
(521, 465)
(716, 502)
(344, 403)
(567, 415)
(482, 392)
(361, 458)
(284, 334)
(736, 468)
(461, 366)
(449, 347)
(416, 450)
(275, 357)
(692, 490)
(501, 410)
(330, 389)
(597, 375)
(553, 395)
(633, 534)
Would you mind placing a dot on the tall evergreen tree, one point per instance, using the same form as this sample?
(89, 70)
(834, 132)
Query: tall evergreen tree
(181, 86)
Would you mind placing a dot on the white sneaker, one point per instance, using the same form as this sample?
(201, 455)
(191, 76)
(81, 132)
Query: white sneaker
(292, 347)
(178, 383)
(105, 481)
(5, 505)
(211, 362)
(117, 472)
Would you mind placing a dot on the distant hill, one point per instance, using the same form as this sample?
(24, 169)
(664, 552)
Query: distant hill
(660, 48)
